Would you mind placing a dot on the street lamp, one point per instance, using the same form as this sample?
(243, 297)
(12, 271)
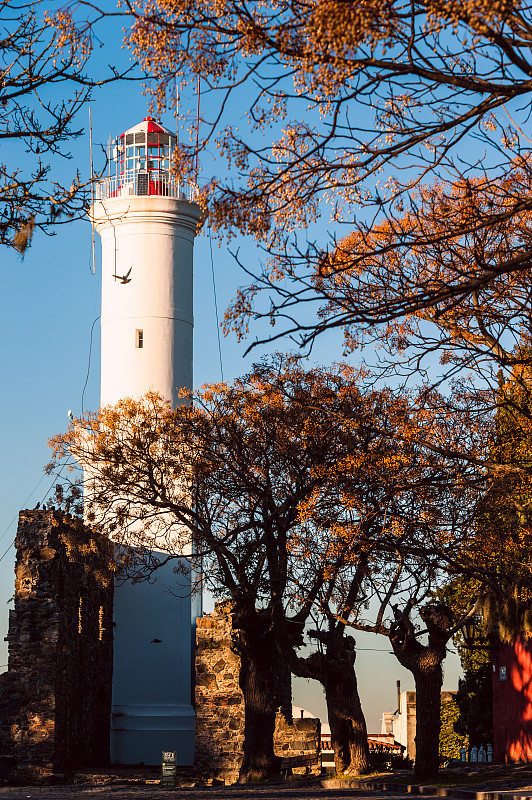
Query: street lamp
(468, 630)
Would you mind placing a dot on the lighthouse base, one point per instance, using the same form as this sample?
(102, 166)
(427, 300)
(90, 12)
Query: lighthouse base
(154, 628)
(139, 734)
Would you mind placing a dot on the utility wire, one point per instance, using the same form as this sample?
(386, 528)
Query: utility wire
(381, 650)
(23, 504)
(89, 364)
(7, 551)
(55, 478)
(216, 307)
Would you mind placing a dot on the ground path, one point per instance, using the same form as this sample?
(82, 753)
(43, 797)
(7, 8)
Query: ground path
(461, 782)
(262, 792)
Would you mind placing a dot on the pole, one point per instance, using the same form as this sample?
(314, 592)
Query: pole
(197, 127)
(92, 196)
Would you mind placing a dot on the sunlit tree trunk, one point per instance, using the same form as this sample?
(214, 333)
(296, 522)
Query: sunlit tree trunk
(335, 670)
(348, 726)
(428, 681)
(425, 664)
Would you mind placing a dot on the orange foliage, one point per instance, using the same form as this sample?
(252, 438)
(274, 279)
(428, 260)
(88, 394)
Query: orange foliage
(450, 275)
(327, 472)
(460, 261)
(340, 93)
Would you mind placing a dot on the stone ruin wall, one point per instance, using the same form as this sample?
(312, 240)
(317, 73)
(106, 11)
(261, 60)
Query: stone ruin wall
(55, 698)
(220, 704)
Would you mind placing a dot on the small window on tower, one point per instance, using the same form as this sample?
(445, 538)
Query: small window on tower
(139, 338)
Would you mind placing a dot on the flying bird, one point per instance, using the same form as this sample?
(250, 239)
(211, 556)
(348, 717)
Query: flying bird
(156, 641)
(123, 278)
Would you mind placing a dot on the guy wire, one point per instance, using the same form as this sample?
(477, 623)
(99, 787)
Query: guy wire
(216, 307)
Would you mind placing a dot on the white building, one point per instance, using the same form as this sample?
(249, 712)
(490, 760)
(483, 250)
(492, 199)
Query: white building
(147, 222)
(401, 724)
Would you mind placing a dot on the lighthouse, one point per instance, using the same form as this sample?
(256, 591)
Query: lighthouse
(147, 221)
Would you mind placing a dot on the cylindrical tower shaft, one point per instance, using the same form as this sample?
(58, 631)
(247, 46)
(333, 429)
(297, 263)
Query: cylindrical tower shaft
(147, 298)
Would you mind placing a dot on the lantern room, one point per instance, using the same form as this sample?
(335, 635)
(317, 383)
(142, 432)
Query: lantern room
(140, 164)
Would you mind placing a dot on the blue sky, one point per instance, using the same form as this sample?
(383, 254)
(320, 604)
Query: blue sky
(50, 300)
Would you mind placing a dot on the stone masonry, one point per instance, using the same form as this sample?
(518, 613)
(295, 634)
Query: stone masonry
(55, 698)
(220, 704)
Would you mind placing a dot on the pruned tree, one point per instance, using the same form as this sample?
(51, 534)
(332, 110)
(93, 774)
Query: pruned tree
(47, 76)
(230, 474)
(424, 661)
(304, 499)
(419, 532)
(340, 607)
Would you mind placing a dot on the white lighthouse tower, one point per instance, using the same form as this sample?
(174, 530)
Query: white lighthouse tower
(147, 221)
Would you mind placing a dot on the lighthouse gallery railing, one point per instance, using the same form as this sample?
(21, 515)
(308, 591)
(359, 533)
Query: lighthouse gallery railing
(144, 184)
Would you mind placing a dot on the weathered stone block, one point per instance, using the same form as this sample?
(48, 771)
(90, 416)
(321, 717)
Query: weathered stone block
(220, 708)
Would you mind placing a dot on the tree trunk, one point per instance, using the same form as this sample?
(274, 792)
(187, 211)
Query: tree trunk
(348, 726)
(428, 706)
(425, 664)
(266, 685)
(335, 670)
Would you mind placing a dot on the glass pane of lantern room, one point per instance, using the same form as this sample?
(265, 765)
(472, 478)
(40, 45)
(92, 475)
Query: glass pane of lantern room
(141, 157)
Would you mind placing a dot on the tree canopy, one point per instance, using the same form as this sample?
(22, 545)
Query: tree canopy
(47, 76)
(398, 125)
(305, 497)
(348, 107)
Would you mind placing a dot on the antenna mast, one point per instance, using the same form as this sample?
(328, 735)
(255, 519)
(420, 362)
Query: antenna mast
(92, 196)
(197, 126)
(176, 89)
